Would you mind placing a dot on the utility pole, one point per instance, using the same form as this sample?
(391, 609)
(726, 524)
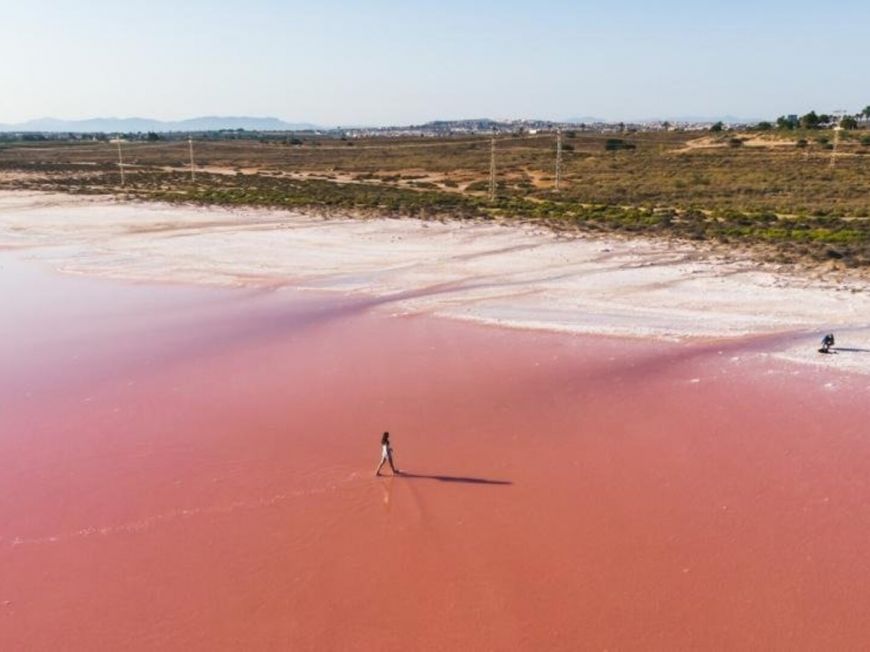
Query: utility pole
(120, 160)
(192, 166)
(839, 115)
(492, 167)
(558, 159)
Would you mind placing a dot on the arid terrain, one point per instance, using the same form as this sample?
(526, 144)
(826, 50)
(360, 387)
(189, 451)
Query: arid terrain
(790, 198)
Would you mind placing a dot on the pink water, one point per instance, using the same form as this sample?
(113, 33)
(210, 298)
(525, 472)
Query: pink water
(189, 468)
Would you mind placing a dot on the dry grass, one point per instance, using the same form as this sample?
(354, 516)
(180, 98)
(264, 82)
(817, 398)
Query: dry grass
(747, 189)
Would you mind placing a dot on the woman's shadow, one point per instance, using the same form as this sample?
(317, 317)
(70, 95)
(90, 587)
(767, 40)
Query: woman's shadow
(450, 478)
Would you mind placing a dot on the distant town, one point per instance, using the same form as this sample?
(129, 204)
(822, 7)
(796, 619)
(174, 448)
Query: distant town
(135, 129)
(231, 128)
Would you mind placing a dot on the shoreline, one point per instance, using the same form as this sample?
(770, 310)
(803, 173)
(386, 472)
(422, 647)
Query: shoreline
(506, 275)
(214, 441)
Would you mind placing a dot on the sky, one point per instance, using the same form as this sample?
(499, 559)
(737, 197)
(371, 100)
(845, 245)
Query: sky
(405, 62)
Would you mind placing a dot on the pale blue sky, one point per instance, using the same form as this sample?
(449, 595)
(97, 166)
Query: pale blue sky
(391, 62)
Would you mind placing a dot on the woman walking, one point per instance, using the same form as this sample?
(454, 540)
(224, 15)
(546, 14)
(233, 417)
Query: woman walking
(386, 454)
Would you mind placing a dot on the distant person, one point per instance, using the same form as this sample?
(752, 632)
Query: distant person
(827, 343)
(386, 454)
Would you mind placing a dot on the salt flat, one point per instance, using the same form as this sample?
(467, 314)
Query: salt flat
(506, 274)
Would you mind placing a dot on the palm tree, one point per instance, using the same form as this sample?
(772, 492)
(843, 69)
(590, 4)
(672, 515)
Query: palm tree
(866, 112)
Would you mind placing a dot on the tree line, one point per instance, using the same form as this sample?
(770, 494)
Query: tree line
(813, 120)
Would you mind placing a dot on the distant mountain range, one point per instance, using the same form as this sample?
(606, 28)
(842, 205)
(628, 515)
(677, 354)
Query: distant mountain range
(136, 125)
(218, 123)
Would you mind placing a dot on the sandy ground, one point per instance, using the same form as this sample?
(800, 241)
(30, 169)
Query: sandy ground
(749, 140)
(513, 275)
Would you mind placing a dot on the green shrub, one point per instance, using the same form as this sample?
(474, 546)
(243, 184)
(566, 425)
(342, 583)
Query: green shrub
(614, 144)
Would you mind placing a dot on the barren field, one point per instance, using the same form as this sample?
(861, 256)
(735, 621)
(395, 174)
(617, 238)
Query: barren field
(757, 191)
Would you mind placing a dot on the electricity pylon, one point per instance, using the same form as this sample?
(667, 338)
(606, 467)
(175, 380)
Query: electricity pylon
(492, 167)
(120, 160)
(838, 116)
(192, 166)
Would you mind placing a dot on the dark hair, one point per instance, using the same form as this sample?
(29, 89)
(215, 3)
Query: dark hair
(385, 438)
